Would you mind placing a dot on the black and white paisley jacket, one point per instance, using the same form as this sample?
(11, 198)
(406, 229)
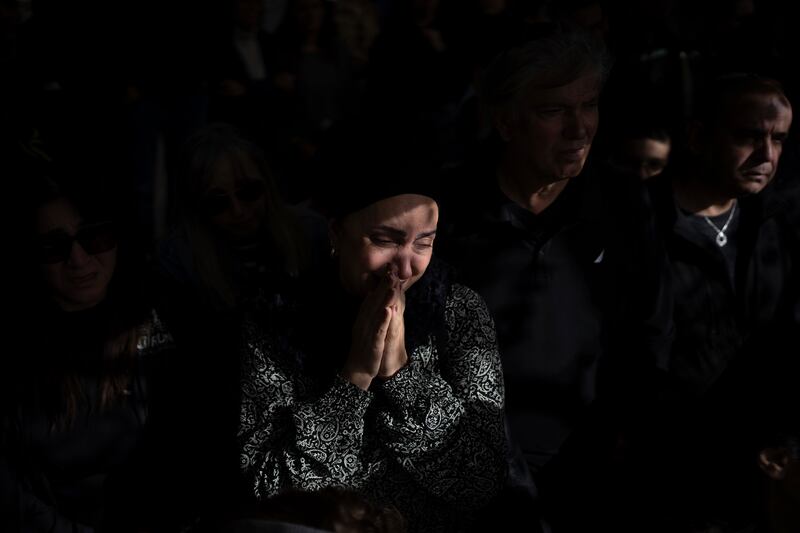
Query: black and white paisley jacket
(429, 440)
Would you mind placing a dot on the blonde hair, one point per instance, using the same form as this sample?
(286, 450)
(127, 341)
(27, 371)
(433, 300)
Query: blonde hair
(201, 155)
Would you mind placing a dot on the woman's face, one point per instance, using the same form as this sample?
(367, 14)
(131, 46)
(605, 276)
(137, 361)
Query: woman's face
(77, 259)
(396, 232)
(234, 200)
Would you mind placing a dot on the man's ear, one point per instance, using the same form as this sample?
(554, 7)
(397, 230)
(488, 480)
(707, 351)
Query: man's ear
(773, 462)
(696, 137)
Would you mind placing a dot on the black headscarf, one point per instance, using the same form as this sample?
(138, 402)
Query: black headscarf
(362, 163)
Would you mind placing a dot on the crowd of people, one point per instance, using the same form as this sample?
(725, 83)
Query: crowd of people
(356, 265)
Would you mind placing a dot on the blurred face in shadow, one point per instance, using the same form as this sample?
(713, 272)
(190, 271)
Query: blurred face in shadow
(77, 258)
(247, 14)
(310, 15)
(552, 133)
(234, 200)
(743, 149)
(645, 157)
(396, 232)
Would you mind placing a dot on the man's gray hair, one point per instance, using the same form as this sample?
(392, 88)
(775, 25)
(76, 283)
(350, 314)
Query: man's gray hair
(545, 62)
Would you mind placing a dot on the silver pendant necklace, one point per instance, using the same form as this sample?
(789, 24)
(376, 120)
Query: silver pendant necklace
(721, 238)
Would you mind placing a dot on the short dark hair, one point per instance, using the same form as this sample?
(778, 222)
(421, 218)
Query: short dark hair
(718, 93)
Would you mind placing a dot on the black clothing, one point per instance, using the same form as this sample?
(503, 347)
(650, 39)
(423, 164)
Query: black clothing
(715, 316)
(429, 440)
(58, 472)
(576, 293)
(735, 347)
(579, 296)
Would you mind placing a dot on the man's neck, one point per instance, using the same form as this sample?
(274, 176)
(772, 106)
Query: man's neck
(694, 196)
(527, 191)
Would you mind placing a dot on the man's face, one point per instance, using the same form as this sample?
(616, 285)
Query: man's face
(744, 149)
(553, 133)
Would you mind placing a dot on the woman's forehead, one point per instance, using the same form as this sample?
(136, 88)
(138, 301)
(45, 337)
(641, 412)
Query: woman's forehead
(232, 168)
(399, 211)
(57, 214)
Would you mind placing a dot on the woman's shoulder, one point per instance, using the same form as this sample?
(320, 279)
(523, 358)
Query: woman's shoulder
(268, 341)
(444, 277)
(462, 292)
(441, 290)
(462, 297)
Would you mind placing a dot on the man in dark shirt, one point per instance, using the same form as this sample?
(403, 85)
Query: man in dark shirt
(733, 258)
(727, 240)
(563, 257)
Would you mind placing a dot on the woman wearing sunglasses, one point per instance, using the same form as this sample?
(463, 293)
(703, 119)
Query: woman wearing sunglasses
(78, 396)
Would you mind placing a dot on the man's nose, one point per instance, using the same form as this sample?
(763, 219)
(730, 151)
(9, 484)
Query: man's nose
(766, 150)
(575, 127)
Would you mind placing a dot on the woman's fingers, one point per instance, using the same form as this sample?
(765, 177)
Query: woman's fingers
(367, 345)
(378, 342)
(381, 331)
(394, 352)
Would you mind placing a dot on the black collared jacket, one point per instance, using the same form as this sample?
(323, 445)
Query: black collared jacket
(577, 293)
(720, 320)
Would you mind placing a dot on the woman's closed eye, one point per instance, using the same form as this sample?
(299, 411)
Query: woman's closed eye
(382, 241)
(424, 243)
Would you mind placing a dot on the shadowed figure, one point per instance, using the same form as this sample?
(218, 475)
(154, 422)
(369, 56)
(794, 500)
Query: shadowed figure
(77, 403)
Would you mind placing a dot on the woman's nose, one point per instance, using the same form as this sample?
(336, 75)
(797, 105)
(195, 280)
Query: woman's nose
(403, 264)
(77, 255)
(237, 209)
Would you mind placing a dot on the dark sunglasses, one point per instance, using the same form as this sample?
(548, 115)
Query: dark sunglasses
(248, 193)
(93, 238)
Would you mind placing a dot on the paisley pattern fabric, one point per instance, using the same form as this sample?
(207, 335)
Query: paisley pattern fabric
(429, 440)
